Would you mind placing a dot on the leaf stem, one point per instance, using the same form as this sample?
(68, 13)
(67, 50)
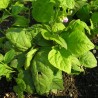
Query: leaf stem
(8, 11)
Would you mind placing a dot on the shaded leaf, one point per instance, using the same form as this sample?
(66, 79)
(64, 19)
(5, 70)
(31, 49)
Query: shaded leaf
(28, 80)
(42, 10)
(84, 12)
(17, 8)
(21, 86)
(21, 21)
(54, 37)
(42, 73)
(57, 82)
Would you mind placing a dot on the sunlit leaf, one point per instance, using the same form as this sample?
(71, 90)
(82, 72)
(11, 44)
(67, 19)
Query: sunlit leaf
(19, 38)
(9, 56)
(79, 43)
(4, 4)
(88, 60)
(60, 58)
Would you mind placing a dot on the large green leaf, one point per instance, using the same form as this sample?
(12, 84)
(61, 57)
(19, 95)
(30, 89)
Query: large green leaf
(19, 38)
(9, 56)
(54, 37)
(60, 58)
(47, 10)
(88, 60)
(4, 4)
(78, 43)
(42, 73)
(42, 10)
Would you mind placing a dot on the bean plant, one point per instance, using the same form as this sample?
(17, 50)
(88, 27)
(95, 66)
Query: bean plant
(45, 38)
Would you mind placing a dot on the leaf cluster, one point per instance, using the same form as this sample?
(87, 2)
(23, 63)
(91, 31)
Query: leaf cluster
(37, 47)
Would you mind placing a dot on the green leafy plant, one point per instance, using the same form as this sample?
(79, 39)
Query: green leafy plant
(39, 52)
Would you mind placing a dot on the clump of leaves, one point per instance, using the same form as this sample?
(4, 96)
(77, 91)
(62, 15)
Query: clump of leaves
(39, 53)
